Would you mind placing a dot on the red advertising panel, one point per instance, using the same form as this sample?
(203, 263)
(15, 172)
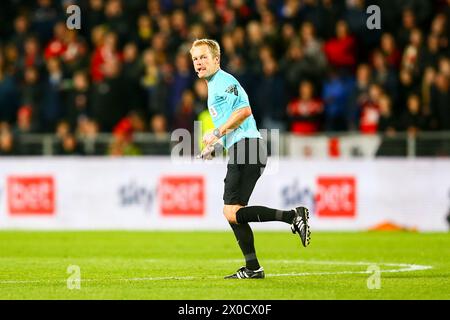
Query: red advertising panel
(336, 197)
(31, 195)
(182, 196)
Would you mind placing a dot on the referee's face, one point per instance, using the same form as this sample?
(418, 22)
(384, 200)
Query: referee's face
(204, 63)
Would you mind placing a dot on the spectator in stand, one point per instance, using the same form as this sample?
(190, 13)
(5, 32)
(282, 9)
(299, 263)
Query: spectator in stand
(413, 53)
(79, 98)
(69, 146)
(106, 49)
(75, 57)
(115, 19)
(296, 67)
(11, 59)
(412, 120)
(9, 94)
(87, 132)
(137, 121)
(132, 72)
(93, 15)
(227, 49)
(21, 32)
(312, 46)
(389, 49)
(306, 111)
(427, 83)
(52, 107)
(288, 34)
(384, 75)
(255, 40)
(108, 99)
(24, 122)
(179, 29)
(240, 41)
(444, 66)
(201, 96)
(155, 89)
(370, 110)
(440, 28)
(63, 129)
(356, 17)
(185, 113)
(122, 141)
(293, 66)
(289, 11)
(154, 9)
(44, 18)
(158, 126)
(270, 101)
(132, 123)
(431, 53)
(160, 47)
(57, 46)
(144, 32)
(182, 80)
(386, 123)
(331, 11)
(31, 94)
(310, 10)
(335, 96)
(440, 102)
(24, 125)
(32, 56)
(407, 85)
(269, 28)
(408, 24)
(7, 143)
(359, 95)
(341, 50)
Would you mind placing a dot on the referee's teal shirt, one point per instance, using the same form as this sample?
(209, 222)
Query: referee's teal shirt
(226, 95)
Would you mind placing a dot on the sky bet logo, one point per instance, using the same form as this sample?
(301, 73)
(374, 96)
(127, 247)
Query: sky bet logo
(132, 194)
(294, 195)
(335, 197)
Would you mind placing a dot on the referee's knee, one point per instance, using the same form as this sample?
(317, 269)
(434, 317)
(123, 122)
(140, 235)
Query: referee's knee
(229, 212)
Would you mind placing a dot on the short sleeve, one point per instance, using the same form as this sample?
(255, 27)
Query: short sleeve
(236, 97)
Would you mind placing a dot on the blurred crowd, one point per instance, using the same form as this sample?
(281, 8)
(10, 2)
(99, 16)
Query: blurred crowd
(308, 66)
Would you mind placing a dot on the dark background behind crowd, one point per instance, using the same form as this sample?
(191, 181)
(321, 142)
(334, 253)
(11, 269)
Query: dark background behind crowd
(309, 66)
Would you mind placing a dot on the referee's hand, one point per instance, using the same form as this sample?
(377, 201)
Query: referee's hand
(207, 153)
(209, 139)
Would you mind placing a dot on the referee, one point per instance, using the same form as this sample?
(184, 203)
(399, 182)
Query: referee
(235, 129)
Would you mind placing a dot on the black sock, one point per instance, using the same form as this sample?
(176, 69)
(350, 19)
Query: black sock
(244, 237)
(263, 214)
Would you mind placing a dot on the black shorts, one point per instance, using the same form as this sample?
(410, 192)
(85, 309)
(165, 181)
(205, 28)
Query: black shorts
(248, 158)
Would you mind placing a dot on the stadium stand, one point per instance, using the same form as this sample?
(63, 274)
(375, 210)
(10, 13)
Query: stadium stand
(310, 67)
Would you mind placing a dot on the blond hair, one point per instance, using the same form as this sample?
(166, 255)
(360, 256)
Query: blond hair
(213, 46)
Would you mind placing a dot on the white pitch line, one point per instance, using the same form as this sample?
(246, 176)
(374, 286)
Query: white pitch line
(404, 267)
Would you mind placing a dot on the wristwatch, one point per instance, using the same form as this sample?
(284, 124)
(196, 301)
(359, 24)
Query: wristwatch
(216, 132)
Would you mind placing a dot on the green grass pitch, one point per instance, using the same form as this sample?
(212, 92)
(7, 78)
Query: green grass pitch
(190, 265)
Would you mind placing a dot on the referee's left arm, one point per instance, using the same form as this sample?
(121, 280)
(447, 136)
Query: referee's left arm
(235, 120)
